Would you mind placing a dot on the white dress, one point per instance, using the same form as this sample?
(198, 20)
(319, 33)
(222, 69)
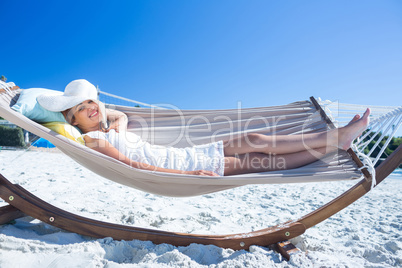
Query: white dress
(207, 156)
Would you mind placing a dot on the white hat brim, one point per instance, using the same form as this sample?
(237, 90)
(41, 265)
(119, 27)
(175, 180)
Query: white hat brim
(59, 103)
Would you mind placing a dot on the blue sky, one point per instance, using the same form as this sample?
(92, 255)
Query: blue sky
(209, 54)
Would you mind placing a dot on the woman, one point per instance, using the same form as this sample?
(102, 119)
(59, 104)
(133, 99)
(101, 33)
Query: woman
(249, 153)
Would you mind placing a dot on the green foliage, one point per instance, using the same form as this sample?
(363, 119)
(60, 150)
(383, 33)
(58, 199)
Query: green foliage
(3, 78)
(11, 136)
(393, 144)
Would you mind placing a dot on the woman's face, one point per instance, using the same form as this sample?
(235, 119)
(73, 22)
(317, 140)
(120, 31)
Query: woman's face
(86, 114)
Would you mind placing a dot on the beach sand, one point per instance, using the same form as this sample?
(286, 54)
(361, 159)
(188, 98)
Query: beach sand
(365, 234)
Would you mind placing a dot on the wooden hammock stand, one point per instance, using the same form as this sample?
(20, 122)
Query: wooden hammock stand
(22, 203)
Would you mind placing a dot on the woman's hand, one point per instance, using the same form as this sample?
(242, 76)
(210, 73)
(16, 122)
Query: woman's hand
(113, 125)
(201, 173)
(117, 120)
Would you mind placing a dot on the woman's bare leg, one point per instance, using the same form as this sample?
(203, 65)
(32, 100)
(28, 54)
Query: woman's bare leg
(260, 162)
(279, 144)
(287, 144)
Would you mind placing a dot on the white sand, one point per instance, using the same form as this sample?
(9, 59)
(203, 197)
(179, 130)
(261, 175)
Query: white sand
(365, 234)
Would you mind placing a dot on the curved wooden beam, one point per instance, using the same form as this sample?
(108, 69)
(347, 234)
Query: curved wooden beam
(361, 188)
(39, 209)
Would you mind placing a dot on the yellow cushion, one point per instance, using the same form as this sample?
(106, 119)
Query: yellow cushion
(66, 130)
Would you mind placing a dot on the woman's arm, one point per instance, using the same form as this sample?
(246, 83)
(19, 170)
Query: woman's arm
(117, 120)
(106, 148)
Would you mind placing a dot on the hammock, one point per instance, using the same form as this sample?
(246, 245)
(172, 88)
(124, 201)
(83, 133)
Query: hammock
(184, 128)
(181, 128)
(187, 127)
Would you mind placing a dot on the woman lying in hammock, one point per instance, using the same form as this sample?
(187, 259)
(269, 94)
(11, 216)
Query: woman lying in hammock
(250, 153)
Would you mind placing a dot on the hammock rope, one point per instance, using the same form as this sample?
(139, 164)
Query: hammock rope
(7, 86)
(124, 100)
(384, 122)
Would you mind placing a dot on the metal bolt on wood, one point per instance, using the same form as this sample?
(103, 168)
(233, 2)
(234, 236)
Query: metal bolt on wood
(11, 198)
(242, 244)
(287, 233)
(51, 219)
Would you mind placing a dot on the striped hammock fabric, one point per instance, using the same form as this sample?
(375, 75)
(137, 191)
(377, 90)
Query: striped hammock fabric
(181, 128)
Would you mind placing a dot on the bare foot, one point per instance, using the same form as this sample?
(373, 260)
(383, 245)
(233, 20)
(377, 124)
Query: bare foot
(353, 129)
(354, 119)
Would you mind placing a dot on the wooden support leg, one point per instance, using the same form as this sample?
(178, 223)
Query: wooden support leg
(9, 213)
(287, 249)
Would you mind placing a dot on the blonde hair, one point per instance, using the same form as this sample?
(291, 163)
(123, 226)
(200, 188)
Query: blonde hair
(69, 116)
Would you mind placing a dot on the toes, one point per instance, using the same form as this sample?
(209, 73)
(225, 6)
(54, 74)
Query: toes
(367, 113)
(355, 118)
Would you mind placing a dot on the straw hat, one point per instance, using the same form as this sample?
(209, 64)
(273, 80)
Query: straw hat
(75, 92)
